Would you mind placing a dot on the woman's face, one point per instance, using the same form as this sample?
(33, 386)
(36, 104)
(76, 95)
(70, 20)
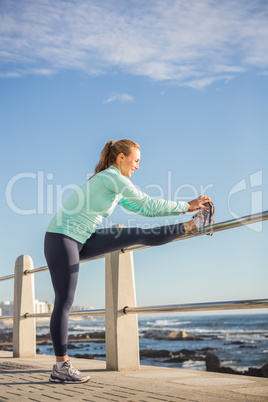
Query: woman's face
(128, 164)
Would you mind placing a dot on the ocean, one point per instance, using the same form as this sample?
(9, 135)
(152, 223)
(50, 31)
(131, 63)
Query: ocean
(239, 340)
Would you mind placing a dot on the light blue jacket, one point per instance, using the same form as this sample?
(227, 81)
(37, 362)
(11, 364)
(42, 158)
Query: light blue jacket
(83, 212)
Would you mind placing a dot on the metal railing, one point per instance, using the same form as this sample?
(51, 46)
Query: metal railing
(72, 313)
(233, 223)
(226, 305)
(6, 278)
(121, 299)
(217, 227)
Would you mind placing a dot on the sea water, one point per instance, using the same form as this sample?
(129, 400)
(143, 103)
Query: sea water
(240, 341)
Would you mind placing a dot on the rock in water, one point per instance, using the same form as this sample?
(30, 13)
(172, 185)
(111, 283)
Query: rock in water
(213, 363)
(152, 354)
(264, 370)
(169, 335)
(180, 335)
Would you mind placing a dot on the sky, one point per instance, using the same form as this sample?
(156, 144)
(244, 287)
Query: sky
(186, 80)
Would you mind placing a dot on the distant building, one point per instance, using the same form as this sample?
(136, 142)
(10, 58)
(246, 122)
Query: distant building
(40, 307)
(6, 308)
(81, 308)
(86, 316)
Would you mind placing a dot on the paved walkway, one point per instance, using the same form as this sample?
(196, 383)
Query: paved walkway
(27, 380)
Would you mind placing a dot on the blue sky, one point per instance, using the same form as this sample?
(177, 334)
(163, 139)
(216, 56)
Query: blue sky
(186, 80)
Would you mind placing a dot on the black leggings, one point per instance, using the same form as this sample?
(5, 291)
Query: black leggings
(63, 255)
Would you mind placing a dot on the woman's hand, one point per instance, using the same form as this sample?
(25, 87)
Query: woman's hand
(198, 203)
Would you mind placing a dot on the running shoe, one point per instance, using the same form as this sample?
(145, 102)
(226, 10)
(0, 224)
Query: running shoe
(67, 374)
(205, 217)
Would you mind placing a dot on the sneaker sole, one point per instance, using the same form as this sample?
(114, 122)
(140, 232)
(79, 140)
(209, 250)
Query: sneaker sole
(57, 380)
(210, 217)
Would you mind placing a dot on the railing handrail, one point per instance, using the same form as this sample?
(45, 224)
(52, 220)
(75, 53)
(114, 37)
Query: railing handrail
(217, 227)
(45, 315)
(262, 303)
(6, 317)
(225, 305)
(72, 313)
(170, 308)
(119, 295)
(5, 278)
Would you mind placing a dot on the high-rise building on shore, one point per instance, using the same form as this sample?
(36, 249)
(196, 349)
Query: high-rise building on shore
(6, 308)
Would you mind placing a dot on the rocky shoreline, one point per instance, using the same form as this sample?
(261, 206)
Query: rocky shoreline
(6, 338)
(99, 336)
(207, 355)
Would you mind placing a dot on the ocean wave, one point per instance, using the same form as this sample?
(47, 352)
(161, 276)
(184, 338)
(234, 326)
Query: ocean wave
(194, 365)
(84, 328)
(228, 362)
(165, 323)
(229, 331)
(210, 332)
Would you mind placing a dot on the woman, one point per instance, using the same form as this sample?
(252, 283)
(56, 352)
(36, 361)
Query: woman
(72, 234)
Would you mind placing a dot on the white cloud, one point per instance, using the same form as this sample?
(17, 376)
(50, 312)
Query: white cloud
(10, 74)
(122, 98)
(166, 40)
(21, 73)
(228, 69)
(203, 82)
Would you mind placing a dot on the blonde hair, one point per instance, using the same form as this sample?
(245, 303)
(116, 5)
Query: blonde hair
(110, 152)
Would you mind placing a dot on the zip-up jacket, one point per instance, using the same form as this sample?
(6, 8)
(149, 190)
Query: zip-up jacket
(83, 212)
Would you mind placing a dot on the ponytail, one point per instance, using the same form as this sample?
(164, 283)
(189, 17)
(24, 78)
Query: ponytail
(110, 152)
(105, 157)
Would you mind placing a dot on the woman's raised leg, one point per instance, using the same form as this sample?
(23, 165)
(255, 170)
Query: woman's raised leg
(107, 240)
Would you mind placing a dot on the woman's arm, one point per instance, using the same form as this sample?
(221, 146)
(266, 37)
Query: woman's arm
(141, 203)
(150, 206)
(131, 206)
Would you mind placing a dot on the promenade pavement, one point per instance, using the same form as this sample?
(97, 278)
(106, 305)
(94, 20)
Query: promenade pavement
(26, 379)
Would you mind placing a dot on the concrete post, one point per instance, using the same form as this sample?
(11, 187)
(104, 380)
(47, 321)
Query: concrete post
(122, 339)
(24, 330)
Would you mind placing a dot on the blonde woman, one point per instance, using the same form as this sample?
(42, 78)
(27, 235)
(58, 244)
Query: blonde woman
(72, 234)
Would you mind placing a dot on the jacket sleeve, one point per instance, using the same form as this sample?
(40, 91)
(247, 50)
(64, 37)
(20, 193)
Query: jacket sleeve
(139, 202)
(131, 206)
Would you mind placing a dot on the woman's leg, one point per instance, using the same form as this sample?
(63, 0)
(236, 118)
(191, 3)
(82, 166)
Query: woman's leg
(113, 238)
(62, 255)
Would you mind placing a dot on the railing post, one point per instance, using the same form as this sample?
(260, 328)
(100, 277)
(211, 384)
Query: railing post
(24, 330)
(122, 340)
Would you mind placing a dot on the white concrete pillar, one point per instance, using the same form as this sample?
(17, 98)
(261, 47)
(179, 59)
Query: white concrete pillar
(122, 338)
(24, 329)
